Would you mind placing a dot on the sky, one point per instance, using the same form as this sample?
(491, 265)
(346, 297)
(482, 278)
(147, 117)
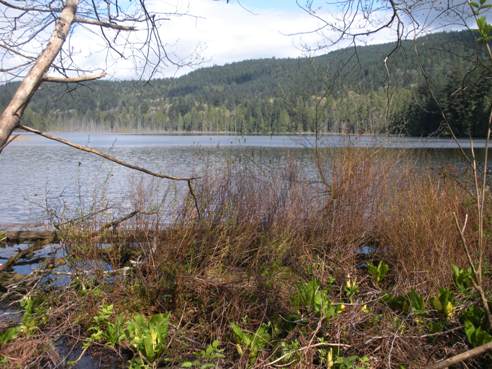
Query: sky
(213, 32)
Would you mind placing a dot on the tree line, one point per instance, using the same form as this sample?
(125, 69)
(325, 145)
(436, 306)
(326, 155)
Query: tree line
(345, 91)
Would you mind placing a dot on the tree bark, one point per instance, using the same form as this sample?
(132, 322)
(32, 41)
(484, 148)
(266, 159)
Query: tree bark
(13, 112)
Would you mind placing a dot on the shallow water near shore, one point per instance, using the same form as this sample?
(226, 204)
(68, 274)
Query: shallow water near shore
(39, 176)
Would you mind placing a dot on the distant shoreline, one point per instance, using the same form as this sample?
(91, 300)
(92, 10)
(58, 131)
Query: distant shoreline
(234, 134)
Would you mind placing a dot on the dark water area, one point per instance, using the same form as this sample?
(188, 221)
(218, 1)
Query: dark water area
(39, 177)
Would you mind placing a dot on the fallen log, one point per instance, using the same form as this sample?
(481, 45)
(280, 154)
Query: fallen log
(42, 238)
(20, 236)
(22, 254)
(31, 236)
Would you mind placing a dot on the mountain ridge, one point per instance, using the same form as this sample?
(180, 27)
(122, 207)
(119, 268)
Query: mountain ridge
(271, 95)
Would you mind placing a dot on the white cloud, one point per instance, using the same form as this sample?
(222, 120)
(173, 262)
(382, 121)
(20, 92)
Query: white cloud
(220, 33)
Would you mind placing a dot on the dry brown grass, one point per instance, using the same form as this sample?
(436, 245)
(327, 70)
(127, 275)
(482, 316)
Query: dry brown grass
(260, 235)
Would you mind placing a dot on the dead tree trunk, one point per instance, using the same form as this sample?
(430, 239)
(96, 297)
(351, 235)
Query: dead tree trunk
(12, 114)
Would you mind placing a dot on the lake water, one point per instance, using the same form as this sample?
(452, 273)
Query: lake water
(37, 174)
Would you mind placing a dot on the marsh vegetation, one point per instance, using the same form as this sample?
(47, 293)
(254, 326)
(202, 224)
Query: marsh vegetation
(362, 266)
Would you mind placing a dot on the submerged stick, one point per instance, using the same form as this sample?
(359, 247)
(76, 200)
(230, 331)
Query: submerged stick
(115, 223)
(21, 254)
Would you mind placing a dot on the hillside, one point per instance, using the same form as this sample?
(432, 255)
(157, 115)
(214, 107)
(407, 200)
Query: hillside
(344, 90)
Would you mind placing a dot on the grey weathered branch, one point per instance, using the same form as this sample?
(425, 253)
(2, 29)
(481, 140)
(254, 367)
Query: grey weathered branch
(29, 8)
(104, 155)
(11, 139)
(462, 357)
(105, 24)
(76, 79)
(11, 115)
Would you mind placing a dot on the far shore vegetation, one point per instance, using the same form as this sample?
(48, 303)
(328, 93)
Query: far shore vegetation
(345, 91)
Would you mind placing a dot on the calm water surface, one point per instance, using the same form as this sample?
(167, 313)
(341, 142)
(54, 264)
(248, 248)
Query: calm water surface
(37, 174)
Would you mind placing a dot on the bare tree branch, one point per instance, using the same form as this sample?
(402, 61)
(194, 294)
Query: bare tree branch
(104, 155)
(13, 112)
(105, 24)
(462, 357)
(10, 140)
(77, 79)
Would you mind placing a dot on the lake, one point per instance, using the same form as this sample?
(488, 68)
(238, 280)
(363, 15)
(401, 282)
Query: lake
(38, 176)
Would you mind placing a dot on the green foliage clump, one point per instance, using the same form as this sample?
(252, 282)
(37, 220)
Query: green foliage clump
(462, 278)
(333, 359)
(444, 303)
(411, 303)
(148, 336)
(145, 336)
(310, 296)
(351, 288)
(251, 343)
(476, 336)
(378, 272)
(106, 331)
(475, 326)
(206, 359)
(484, 27)
(34, 315)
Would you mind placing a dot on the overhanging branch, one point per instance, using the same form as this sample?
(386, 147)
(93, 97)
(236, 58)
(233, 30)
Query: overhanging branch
(99, 23)
(104, 155)
(83, 78)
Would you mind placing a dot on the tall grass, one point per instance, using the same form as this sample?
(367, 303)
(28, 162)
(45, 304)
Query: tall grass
(258, 234)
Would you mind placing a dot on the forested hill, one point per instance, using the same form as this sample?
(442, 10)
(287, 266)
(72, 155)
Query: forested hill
(345, 90)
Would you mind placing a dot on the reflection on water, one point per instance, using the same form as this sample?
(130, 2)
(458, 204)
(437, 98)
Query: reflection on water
(36, 174)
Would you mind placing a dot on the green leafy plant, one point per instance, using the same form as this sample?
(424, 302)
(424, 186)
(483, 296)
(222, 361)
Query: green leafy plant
(416, 302)
(251, 343)
(476, 336)
(462, 278)
(311, 296)
(9, 335)
(33, 316)
(474, 314)
(332, 359)
(351, 288)
(475, 325)
(104, 330)
(289, 352)
(444, 303)
(484, 28)
(411, 303)
(148, 336)
(351, 362)
(145, 336)
(207, 358)
(378, 272)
